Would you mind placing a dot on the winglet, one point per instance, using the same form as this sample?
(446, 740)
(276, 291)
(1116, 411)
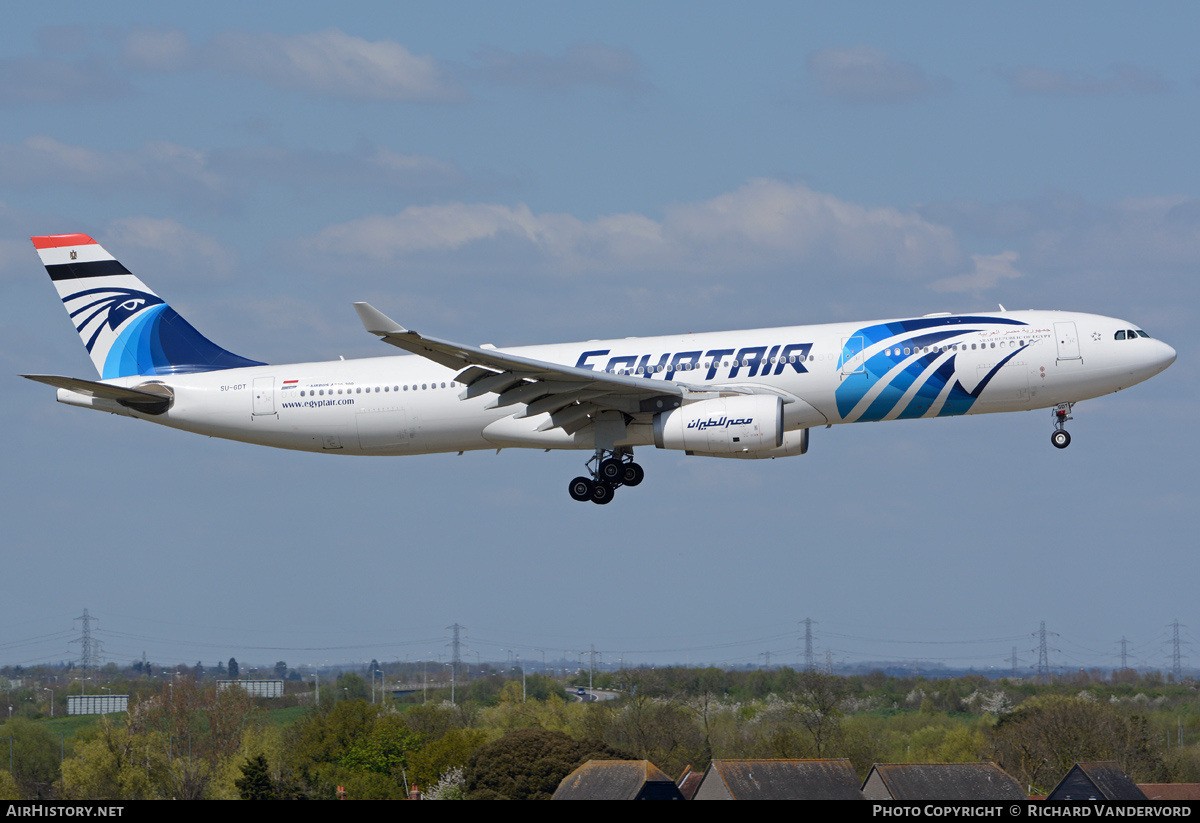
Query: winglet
(376, 322)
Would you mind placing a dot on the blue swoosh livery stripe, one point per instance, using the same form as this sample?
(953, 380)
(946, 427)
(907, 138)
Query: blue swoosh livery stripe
(906, 370)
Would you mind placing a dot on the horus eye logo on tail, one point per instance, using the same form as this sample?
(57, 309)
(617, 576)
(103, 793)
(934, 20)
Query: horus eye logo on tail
(127, 329)
(95, 310)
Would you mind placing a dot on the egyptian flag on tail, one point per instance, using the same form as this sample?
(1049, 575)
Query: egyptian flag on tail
(128, 330)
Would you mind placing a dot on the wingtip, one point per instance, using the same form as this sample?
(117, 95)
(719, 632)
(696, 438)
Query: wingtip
(376, 322)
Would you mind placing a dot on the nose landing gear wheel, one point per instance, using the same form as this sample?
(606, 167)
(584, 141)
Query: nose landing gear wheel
(1062, 413)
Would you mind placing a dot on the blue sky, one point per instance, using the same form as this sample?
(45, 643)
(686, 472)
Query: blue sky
(536, 172)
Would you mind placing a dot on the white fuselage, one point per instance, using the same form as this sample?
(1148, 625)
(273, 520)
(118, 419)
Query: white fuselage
(828, 374)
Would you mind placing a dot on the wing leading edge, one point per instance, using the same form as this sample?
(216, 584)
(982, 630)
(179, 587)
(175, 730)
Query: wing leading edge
(570, 395)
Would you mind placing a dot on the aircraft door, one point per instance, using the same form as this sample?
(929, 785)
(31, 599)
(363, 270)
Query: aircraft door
(853, 361)
(1068, 341)
(264, 395)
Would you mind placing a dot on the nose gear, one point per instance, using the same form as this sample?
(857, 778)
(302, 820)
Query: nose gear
(1061, 438)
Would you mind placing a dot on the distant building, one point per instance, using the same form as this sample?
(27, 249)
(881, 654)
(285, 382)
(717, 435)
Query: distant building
(254, 688)
(617, 780)
(1096, 781)
(941, 781)
(97, 703)
(779, 780)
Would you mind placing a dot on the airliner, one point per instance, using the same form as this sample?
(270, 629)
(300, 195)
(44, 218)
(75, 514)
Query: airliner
(735, 394)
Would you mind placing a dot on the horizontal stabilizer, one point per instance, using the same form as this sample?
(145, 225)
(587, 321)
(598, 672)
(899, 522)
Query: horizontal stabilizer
(94, 389)
(149, 402)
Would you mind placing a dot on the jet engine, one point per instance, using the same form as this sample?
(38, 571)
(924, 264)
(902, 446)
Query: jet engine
(747, 425)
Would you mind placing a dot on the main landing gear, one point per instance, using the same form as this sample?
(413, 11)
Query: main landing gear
(1061, 438)
(609, 469)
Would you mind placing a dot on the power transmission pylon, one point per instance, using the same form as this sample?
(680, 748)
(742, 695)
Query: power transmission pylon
(1176, 658)
(808, 644)
(455, 657)
(1043, 655)
(89, 649)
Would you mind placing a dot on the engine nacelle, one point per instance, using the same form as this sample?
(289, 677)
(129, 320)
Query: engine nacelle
(794, 442)
(725, 426)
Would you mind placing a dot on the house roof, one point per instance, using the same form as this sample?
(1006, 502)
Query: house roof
(1170, 791)
(617, 780)
(947, 781)
(689, 781)
(1107, 779)
(785, 779)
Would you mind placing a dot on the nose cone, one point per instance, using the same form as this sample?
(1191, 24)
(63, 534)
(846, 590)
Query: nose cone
(1164, 357)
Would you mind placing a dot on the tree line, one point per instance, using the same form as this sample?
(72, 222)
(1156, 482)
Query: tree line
(501, 738)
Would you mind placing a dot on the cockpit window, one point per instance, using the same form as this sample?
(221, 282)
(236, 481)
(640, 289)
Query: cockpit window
(1141, 333)
(1121, 335)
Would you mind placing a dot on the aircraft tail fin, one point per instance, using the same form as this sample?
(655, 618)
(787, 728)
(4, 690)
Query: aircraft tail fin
(127, 329)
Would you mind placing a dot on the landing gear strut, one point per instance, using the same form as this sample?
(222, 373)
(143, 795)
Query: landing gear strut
(1061, 438)
(609, 469)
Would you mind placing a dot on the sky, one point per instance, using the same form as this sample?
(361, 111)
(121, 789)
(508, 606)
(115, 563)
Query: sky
(530, 172)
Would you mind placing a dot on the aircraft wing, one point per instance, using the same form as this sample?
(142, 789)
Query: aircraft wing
(569, 394)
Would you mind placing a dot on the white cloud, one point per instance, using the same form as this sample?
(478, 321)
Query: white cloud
(1128, 236)
(1122, 79)
(583, 64)
(335, 64)
(49, 80)
(155, 166)
(1064, 232)
(865, 75)
(366, 165)
(989, 271)
(765, 223)
(770, 220)
(157, 50)
(186, 249)
(188, 173)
